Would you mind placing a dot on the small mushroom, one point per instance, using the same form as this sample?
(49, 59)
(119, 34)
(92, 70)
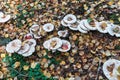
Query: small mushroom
(114, 30)
(70, 18)
(80, 28)
(63, 33)
(65, 46)
(82, 25)
(102, 26)
(48, 27)
(29, 52)
(31, 42)
(4, 18)
(35, 30)
(90, 25)
(109, 68)
(24, 48)
(53, 43)
(74, 26)
(64, 23)
(13, 46)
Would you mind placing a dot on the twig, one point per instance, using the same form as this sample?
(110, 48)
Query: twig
(98, 70)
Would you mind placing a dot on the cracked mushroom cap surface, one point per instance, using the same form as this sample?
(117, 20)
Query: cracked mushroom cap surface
(13, 46)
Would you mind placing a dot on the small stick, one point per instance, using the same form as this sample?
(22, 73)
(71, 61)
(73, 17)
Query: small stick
(98, 70)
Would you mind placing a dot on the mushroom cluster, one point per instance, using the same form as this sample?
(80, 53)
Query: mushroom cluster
(56, 43)
(25, 48)
(36, 30)
(3, 17)
(111, 69)
(86, 25)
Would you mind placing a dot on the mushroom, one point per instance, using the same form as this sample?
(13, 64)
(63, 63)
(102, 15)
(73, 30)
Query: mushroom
(48, 27)
(70, 19)
(65, 46)
(81, 28)
(82, 25)
(13, 46)
(24, 48)
(102, 26)
(35, 30)
(4, 18)
(64, 23)
(46, 44)
(114, 30)
(74, 26)
(31, 42)
(109, 68)
(63, 33)
(53, 43)
(90, 25)
(29, 52)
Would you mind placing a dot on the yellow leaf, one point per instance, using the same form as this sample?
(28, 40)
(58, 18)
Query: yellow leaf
(25, 67)
(17, 64)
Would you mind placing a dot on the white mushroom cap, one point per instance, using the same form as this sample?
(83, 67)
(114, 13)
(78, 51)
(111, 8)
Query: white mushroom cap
(37, 36)
(24, 48)
(107, 73)
(63, 33)
(81, 30)
(111, 28)
(74, 26)
(70, 18)
(31, 42)
(89, 26)
(46, 44)
(4, 18)
(48, 27)
(58, 43)
(34, 27)
(29, 52)
(98, 25)
(65, 46)
(82, 25)
(64, 23)
(13, 46)
(35, 30)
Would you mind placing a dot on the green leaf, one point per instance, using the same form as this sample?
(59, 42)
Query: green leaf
(89, 20)
(117, 47)
(4, 41)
